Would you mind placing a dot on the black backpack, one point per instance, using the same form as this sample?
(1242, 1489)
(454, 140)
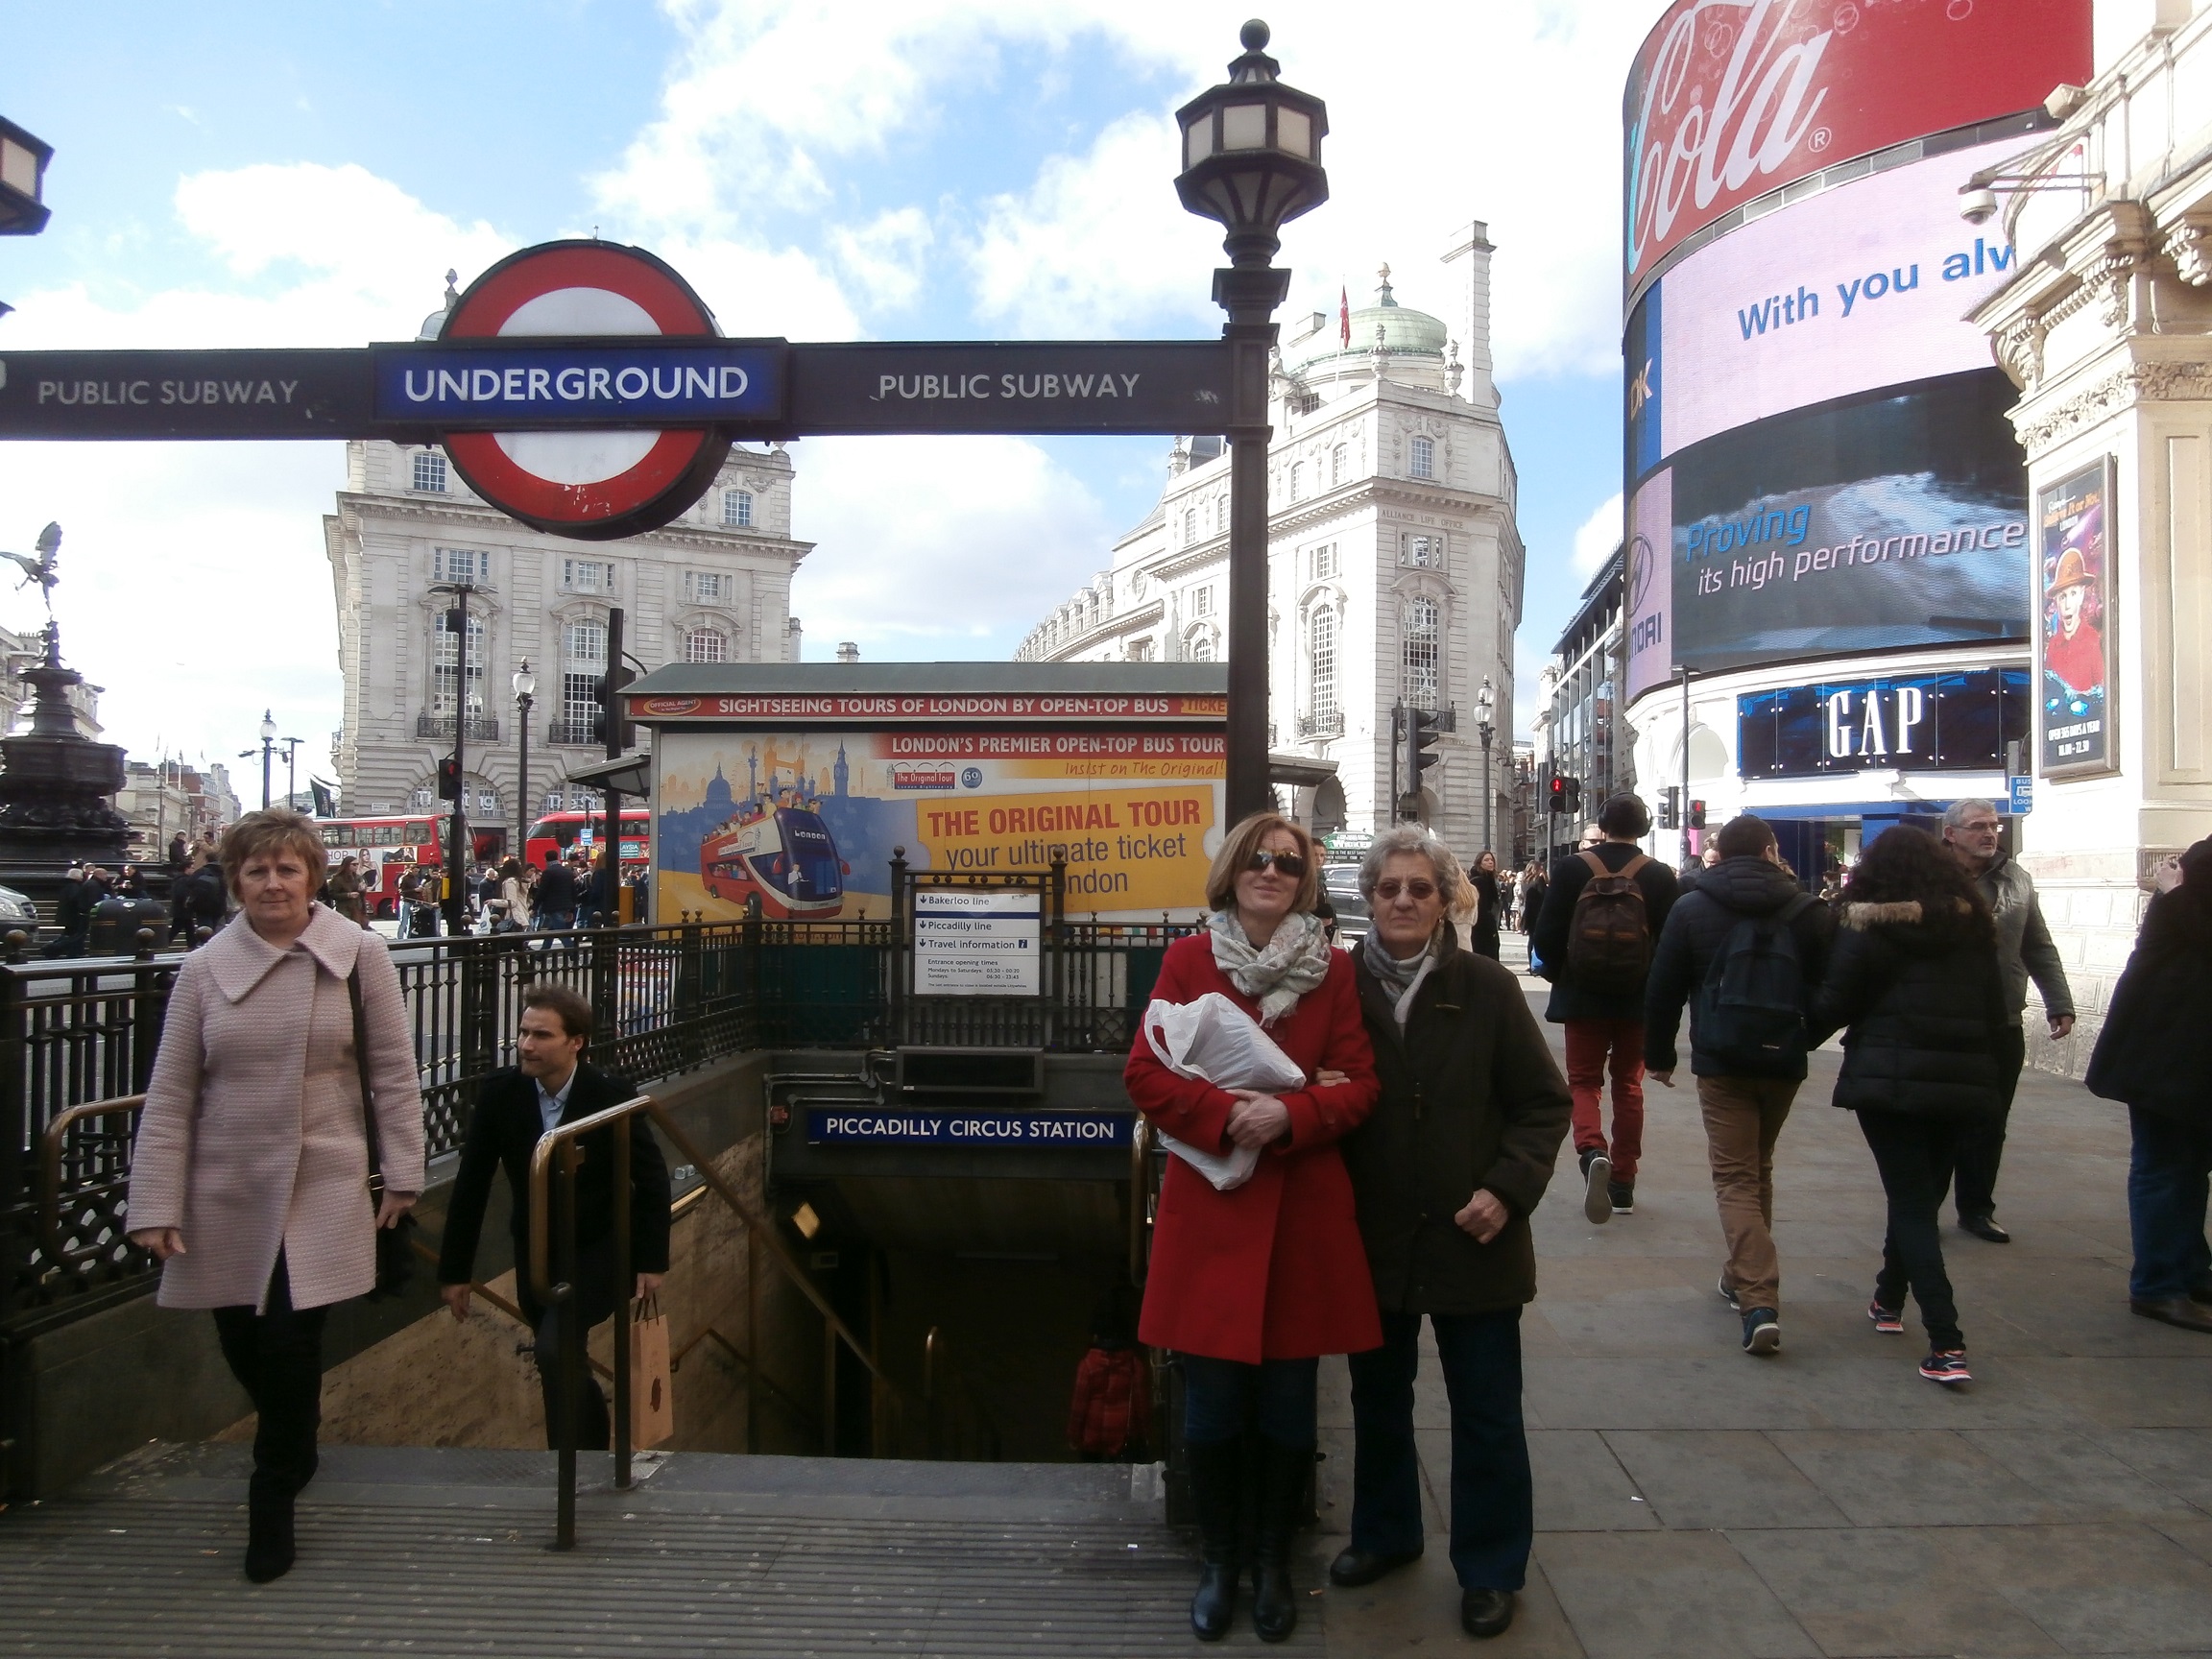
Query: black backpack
(1609, 931)
(1750, 1012)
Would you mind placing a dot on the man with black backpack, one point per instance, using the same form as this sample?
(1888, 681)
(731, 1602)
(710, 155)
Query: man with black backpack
(1604, 908)
(1744, 948)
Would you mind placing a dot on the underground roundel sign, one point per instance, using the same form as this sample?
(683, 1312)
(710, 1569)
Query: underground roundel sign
(620, 390)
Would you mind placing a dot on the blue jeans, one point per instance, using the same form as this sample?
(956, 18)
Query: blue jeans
(1222, 1396)
(2168, 1170)
(1493, 1498)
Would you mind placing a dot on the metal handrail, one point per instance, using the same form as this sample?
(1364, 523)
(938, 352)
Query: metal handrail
(558, 1145)
(50, 1165)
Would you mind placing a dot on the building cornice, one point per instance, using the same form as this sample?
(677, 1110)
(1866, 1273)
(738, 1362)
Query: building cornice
(477, 517)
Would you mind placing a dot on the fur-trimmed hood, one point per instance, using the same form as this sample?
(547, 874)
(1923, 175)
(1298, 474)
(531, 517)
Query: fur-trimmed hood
(1914, 924)
(1905, 911)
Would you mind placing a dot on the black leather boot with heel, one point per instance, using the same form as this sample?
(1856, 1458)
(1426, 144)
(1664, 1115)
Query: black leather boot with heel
(1217, 1493)
(1283, 1474)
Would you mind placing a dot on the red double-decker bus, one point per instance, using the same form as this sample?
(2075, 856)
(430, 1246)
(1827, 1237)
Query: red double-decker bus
(553, 834)
(386, 848)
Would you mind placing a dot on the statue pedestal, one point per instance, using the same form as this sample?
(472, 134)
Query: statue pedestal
(56, 793)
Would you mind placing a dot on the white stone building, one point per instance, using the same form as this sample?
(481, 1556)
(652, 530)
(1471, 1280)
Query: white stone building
(1395, 564)
(713, 586)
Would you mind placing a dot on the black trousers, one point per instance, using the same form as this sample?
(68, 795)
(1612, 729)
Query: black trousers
(277, 1360)
(1982, 1147)
(595, 1299)
(1915, 1153)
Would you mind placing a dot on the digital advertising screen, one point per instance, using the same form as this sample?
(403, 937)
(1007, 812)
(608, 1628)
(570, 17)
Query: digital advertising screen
(2072, 518)
(1960, 721)
(1892, 519)
(1731, 99)
(807, 821)
(1863, 286)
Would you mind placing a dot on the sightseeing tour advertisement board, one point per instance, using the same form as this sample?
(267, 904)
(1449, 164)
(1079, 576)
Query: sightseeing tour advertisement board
(2075, 653)
(807, 820)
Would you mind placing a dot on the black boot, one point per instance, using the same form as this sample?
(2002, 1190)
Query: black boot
(1216, 1492)
(1283, 1476)
(269, 1544)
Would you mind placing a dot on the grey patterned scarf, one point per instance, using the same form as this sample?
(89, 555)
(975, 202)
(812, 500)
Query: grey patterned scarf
(1296, 961)
(1401, 979)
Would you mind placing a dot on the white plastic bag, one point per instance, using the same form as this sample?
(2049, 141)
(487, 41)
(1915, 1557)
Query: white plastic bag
(1213, 1040)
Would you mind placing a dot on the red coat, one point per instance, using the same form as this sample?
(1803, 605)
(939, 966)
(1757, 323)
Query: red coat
(1112, 1410)
(1272, 1270)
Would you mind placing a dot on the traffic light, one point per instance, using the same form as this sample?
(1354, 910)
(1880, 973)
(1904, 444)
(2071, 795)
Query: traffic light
(1420, 732)
(1573, 807)
(1670, 808)
(1558, 796)
(449, 779)
(613, 728)
(1697, 814)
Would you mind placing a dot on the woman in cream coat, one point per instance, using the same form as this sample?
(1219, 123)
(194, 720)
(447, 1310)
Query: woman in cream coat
(250, 1177)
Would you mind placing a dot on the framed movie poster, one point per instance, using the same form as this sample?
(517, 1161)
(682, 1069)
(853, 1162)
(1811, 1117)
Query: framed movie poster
(2074, 657)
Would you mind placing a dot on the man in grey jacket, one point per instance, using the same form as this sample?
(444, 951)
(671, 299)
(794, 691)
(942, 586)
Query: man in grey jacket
(2024, 952)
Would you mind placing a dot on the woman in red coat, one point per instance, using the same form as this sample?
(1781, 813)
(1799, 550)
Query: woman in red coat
(1251, 1286)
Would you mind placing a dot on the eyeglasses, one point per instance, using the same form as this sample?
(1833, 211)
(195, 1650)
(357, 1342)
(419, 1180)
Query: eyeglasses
(1289, 864)
(1416, 889)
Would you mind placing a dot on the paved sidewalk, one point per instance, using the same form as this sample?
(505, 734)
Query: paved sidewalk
(1694, 1501)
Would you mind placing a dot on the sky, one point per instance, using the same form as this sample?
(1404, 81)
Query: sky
(268, 174)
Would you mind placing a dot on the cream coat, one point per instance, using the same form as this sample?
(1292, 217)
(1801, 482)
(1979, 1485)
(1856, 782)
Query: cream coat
(252, 1137)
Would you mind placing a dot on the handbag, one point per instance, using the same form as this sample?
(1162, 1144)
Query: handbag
(395, 1243)
(652, 1406)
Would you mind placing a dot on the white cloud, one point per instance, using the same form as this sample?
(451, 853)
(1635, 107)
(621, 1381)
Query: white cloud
(884, 257)
(1597, 536)
(930, 545)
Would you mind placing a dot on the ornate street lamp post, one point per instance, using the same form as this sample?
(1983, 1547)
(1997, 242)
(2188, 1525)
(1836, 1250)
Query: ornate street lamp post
(1485, 705)
(525, 694)
(1251, 162)
(267, 752)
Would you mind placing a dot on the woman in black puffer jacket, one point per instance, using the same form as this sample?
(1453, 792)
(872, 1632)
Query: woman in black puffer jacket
(1914, 983)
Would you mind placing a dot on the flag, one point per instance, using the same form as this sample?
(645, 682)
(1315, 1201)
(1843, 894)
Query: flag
(326, 798)
(1344, 316)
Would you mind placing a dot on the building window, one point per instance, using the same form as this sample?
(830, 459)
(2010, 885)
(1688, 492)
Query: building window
(459, 565)
(1297, 480)
(1189, 525)
(708, 587)
(738, 509)
(1336, 465)
(1325, 561)
(1140, 650)
(553, 802)
(580, 706)
(1421, 655)
(1323, 637)
(446, 665)
(586, 576)
(423, 795)
(585, 643)
(430, 471)
(704, 645)
(1424, 552)
(1202, 602)
(1201, 646)
(1424, 458)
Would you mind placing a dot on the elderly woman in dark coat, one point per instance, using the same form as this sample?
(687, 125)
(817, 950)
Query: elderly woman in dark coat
(2155, 1054)
(1445, 1171)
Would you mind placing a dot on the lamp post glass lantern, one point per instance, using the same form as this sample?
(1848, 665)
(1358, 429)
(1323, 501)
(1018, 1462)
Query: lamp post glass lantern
(1486, 708)
(525, 694)
(1252, 162)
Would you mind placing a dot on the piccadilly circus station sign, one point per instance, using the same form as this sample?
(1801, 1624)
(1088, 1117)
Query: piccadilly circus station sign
(584, 389)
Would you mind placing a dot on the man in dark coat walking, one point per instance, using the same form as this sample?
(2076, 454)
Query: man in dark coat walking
(1604, 1024)
(516, 1106)
(1746, 1048)
(1445, 1172)
(2155, 1053)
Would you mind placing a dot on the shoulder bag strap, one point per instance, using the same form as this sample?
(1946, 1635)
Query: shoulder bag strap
(368, 1095)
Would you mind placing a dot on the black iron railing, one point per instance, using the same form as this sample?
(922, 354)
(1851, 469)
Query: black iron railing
(82, 1033)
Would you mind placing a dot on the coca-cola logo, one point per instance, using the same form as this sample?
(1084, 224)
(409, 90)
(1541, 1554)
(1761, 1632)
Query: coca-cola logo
(1728, 96)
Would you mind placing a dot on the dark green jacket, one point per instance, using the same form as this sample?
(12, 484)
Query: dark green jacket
(1471, 1100)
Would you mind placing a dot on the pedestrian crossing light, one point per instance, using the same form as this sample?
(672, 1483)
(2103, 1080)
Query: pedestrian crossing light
(449, 778)
(1697, 814)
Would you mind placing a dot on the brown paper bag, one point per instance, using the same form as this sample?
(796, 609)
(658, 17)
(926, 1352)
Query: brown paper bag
(652, 1408)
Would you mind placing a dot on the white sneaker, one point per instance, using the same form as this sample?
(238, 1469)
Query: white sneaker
(1597, 1197)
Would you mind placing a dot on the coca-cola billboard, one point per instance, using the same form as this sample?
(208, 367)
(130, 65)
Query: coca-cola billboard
(1730, 99)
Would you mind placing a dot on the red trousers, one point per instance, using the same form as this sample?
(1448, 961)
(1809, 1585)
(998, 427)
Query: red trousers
(1590, 1043)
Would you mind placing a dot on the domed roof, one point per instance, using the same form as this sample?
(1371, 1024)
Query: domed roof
(433, 323)
(1403, 330)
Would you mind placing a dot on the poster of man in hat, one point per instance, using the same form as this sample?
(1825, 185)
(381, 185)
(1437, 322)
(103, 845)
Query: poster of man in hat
(2076, 672)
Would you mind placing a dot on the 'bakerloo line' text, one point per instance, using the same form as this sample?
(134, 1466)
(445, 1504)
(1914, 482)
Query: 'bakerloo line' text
(925, 387)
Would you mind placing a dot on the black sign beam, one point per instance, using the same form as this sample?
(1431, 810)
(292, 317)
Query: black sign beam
(1086, 387)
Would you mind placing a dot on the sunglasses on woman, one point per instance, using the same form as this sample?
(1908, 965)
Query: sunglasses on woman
(1290, 864)
(1416, 889)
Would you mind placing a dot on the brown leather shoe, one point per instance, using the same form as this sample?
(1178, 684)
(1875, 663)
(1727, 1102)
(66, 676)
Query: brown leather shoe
(2176, 1311)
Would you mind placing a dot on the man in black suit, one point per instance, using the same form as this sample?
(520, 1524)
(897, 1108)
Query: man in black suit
(515, 1106)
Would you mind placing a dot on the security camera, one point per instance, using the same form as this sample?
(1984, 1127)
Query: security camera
(1977, 207)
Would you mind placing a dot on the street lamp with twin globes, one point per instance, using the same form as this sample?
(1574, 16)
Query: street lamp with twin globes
(525, 694)
(1251, 162)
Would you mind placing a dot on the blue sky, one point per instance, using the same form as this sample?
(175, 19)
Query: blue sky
(270, 173)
